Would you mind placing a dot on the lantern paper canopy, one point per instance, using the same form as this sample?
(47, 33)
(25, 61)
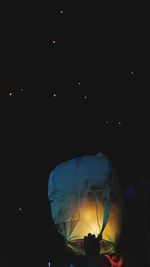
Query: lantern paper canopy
(85, 197)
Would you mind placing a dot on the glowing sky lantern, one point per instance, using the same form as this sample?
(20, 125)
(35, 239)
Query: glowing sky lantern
(85, 197)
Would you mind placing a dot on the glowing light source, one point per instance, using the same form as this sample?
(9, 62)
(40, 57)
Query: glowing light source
(85, 97)
(10, 94)
(54, 95)
(54, 42)
(49, 264)
(119, 122)
(61, 12)
(20, 209)
(132, 72)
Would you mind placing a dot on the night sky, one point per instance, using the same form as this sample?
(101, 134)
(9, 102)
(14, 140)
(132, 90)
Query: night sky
(74, 80)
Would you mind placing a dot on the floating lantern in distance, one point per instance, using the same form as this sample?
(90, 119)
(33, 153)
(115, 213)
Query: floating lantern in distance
(85, 197)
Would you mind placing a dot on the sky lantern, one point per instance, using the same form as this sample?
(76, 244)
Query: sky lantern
(85, 197)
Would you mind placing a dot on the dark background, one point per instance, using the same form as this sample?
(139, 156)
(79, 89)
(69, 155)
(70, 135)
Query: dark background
(106, 49)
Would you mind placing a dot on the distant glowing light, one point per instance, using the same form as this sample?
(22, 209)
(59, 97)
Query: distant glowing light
(61, 12)
(10, 93)
(54, 42)
(49, 264)
(132, 72)
(20, 209)
(85, 97)
(54, 95)
(21, 89)
(107, 122)
(119, 122)
(79, 83)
